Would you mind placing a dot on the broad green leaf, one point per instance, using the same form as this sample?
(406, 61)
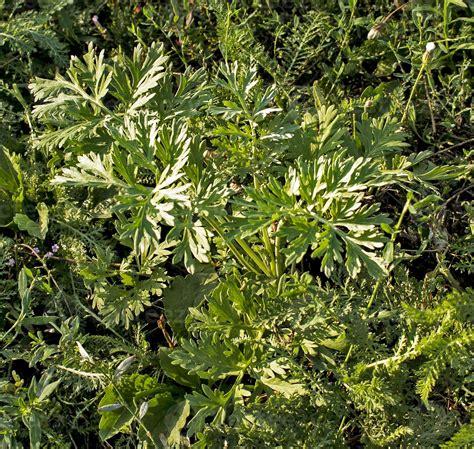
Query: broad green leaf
(175, 421)
(459, 3)
(48, 390)
(114, 415)
(38, 230)
(25, 223)
(122, 400)
(84, 354)
(110, 408)
(23, 284)
(143, 409)
(39, 320)
(184, 293)
(124, 366)
(8, 176)
(165, 416)
(34, 426)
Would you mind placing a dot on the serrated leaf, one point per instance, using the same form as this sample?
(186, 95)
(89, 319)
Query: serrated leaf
(356, 257)
(212, 359)
(211, 403)
(176, 372)
(283, 387)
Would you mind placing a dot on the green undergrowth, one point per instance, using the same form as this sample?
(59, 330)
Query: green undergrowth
(239, 224)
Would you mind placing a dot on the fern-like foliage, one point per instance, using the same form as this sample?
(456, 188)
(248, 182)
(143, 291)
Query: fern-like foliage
(303, 41)
(29, 31)
(237, 42)
(464, 438)
(381, 137)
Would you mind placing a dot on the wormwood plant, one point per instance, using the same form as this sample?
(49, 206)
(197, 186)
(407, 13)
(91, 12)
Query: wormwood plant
(131, 128)
(241, 249)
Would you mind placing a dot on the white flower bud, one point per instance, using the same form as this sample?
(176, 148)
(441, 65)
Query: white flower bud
(428, 54)
(375, 31)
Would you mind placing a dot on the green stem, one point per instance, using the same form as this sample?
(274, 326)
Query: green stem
(231, 246)
(351, 347)
(278, 257)
(270, 251)
(400, 219)
(395, 232)
(445, 23)
(372, 297)
(341, 426)
(251, 253)
(410, 98)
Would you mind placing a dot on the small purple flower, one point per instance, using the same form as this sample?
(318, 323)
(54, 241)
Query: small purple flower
(11, 263)
(36, 251)
(95, 20)
(55, 248)
(48, 254)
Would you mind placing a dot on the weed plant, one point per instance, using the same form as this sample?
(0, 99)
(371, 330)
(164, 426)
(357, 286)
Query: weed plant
(236, 224)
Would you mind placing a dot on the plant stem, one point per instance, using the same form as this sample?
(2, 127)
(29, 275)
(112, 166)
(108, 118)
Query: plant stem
(445, 23)
(251, 253)
(270, 251)
(278, 257)
(395, 232)
(420, 73)
(231, 246)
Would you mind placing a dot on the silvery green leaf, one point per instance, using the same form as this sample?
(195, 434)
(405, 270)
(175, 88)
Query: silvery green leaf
(110, 407)
(124, 365)
(143, 410)
(164, 440)
(84, 354)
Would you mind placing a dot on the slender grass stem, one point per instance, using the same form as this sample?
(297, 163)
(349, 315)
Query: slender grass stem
(412, 93)
(395, 232)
